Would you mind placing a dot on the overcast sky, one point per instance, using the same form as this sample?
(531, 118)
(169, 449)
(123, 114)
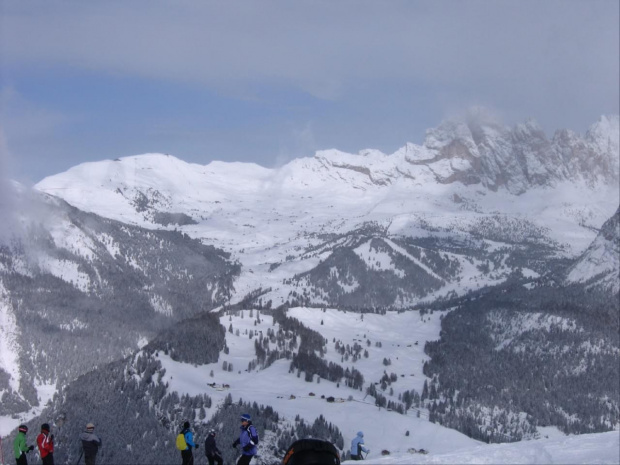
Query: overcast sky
(269, 81)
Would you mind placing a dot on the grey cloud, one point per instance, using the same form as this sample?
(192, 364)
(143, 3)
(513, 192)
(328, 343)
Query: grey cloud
(7, 197)
(24, 119)
(320, 44)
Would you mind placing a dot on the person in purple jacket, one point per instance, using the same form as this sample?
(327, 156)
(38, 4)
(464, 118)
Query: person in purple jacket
(248, 438)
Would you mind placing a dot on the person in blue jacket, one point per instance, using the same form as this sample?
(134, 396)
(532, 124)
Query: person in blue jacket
(357, 447)
(248, 438)
(186, 455)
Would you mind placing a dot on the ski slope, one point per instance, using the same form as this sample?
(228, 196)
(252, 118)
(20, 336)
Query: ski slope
(353, 411)
(601, 448)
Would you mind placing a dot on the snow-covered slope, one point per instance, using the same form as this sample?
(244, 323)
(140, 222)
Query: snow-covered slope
(69, 278)
(602, 448)
(9, 345)
(399, 337)
(600, 263)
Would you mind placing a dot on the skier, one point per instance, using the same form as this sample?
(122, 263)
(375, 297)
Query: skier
(357, 447)
(90, 444)
(19, 446)
(248, 438)
(187, 455)
(45, 441)
(211, 451)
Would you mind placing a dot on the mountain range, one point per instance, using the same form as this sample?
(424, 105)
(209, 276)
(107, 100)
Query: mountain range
(99, 263)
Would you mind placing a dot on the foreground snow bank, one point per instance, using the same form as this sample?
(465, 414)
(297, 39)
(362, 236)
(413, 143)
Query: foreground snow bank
(602, 448)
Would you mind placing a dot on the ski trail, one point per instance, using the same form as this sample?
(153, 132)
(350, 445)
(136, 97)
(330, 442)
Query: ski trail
(403, 252)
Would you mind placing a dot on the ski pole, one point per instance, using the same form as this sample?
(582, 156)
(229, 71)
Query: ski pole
(79, 458)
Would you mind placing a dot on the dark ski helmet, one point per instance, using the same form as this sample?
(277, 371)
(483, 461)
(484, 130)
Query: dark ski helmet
(22, 429)
(311, 452)
(186, 425)
(45, 427)
(246, 417)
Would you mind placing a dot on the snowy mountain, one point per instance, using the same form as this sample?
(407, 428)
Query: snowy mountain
(70, 278)
(428, 284)
(458, 213)
(599, 265)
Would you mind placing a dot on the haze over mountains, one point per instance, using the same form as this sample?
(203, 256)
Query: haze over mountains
(510, 236)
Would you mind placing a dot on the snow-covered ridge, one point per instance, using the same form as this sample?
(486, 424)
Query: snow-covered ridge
(9, 347)
(602, 259)
(451, 163)
(469, 151)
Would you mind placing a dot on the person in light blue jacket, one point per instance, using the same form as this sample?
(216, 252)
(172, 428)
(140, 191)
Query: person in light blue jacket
(357, 447)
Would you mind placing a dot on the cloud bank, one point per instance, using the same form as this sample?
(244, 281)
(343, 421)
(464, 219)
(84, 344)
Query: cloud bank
(347, 68)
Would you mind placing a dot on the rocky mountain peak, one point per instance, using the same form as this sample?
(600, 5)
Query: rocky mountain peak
(521, 157)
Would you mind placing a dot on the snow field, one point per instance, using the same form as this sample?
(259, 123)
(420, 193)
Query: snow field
(275, 386)
(383, 430)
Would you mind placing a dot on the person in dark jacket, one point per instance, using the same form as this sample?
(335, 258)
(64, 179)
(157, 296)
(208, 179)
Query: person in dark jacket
(248, 438)
(211, 451)
(45, 441)
(186, 455)
(90, 444)
(19, 446)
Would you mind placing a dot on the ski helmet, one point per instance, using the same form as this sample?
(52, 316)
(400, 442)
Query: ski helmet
(311, 452)
(45, 427)
(246, 417)
(23, 429)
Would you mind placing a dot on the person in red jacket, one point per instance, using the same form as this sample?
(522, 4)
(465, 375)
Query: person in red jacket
(45, 441)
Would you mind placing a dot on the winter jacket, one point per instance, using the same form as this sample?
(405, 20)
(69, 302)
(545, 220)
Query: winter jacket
(19, 445)
(210, 446)
(248, 438)
(357, 445)
(46, 444)
(90, 443)
(189, 439)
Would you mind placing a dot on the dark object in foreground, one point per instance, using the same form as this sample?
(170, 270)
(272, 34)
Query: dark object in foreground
(311, 452)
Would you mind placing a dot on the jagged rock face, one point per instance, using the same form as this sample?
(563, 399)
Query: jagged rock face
(600, 263)
(521, 157)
